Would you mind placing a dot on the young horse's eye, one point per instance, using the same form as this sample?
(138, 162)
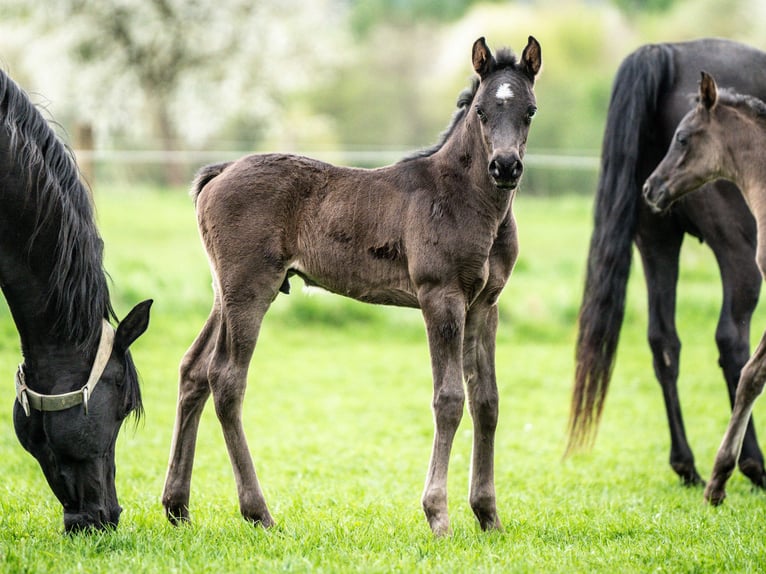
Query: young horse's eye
(530, 114)
(481, 114)
(682, 138)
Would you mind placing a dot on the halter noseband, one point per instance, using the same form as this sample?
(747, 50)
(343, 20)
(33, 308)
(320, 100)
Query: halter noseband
(28, 398)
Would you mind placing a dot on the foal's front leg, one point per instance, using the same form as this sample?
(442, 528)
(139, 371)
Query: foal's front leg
(479, 365)
(751, 384)
(445, 322)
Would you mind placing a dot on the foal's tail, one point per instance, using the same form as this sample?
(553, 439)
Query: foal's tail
(633, 107)
(204, 176)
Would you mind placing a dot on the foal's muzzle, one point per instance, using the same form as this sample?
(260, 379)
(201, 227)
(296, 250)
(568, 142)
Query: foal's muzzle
(505, 170)
(657, 195)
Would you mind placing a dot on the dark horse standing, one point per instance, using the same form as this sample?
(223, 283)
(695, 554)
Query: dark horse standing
(77, 382)
(651, 94)
(435, 231)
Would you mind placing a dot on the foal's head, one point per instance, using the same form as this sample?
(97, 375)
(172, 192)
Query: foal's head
(701, 147)
(504, 105)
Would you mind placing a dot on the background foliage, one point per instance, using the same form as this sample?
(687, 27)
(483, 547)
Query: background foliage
(328, 75)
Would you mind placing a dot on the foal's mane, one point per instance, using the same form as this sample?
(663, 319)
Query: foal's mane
(78, 294)
(504, 59)
(751, 104)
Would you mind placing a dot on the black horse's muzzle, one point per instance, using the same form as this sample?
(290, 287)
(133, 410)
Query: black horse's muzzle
(505, 170)
(98, 520)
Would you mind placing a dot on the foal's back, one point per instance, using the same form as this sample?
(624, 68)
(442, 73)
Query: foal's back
(342, 229)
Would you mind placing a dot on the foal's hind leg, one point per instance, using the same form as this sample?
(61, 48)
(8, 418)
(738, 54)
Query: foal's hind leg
(249, 287)
(193, 392)
(750, 387)
(479, 369)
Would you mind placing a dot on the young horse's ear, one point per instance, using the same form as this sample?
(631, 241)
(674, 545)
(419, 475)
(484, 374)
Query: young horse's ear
(132, 326)
(483, 60)
(708, 91)
(532, 58)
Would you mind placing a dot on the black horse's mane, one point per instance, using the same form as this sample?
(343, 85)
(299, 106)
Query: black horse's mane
(78, 294)
(504, 58)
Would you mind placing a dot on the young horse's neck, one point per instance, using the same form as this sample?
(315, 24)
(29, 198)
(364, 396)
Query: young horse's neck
(746, 166)
(465, 151)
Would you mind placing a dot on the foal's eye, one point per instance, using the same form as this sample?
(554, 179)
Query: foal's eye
(682, 138)
(481, 114)
(531, 113)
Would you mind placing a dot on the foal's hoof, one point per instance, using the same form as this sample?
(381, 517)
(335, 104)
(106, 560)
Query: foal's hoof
(177, 516)
(714, 495)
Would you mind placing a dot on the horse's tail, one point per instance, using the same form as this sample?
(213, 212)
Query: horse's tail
(204, 176)
(640, 80)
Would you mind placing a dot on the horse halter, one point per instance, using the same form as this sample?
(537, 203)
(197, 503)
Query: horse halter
(28, 398)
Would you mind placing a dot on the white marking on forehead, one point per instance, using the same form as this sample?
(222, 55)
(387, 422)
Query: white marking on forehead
(504, 92)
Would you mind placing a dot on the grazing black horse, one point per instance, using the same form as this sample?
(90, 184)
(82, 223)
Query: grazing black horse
(651, 94)
(77, 382)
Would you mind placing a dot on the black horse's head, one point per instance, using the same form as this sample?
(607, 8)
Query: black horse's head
(75, 445)
(504, 105)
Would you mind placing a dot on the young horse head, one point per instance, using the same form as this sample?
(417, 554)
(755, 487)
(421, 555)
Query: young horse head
(435, 231)
(718, 138)
(722, 137)
(77, 382)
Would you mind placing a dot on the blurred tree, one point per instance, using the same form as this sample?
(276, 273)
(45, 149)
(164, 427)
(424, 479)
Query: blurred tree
(367, 14)
(158, 42)
(177, 71)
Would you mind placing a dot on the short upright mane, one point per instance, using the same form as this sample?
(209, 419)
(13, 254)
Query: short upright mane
(504, 59)
(751, 103)
(78, 294)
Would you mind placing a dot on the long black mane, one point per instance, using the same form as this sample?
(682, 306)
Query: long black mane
(504, 58)
(78, 294)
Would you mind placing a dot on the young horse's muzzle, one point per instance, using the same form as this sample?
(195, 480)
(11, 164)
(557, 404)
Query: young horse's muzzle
(505, 170)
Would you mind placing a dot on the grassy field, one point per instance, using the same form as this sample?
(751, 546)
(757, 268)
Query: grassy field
(339, 422)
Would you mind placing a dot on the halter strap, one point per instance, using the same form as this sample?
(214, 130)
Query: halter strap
(38, 401)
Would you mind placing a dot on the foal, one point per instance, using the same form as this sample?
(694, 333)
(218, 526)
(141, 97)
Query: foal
(722, 137)
(435, 231)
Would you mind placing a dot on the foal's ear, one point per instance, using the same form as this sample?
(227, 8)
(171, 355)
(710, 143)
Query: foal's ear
(708, 91)
(532, 58)
(132, 326)
(483, 60)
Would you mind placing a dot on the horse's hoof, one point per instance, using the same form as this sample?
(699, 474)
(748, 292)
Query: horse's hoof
(753, 469)
(688, 474)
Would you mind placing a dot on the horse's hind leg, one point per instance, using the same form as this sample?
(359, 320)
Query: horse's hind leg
(193, 392)
(660, 259)
(750, 387)
(479, 369)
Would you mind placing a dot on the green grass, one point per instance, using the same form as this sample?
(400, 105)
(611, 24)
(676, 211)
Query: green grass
(339, 422)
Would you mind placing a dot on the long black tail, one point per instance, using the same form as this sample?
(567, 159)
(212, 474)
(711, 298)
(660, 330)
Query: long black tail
(204, 175)
(641, 79)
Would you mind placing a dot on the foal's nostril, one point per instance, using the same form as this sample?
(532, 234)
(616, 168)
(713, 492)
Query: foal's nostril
(516, 170)
(494, 169)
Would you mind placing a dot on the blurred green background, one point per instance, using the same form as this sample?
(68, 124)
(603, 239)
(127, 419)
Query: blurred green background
(151, 89)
